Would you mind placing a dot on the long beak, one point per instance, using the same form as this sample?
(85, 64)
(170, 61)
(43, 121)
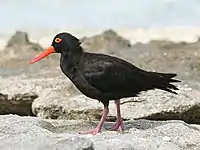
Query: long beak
(43, 54)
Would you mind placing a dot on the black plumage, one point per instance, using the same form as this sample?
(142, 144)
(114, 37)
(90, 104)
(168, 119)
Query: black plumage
(105, 77)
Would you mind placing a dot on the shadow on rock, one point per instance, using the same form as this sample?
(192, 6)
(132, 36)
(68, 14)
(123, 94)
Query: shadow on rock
(19, 104)
(190, 115)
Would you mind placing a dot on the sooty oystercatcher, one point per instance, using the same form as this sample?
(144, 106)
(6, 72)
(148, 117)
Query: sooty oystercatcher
(103, 77)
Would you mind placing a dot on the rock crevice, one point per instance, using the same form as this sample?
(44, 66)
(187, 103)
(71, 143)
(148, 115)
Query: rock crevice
(20, 104)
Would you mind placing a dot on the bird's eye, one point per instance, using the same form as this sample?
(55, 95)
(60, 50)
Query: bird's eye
(58, 40)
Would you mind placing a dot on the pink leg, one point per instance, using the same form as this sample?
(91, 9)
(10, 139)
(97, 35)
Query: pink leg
(119, 122)
(99, 126)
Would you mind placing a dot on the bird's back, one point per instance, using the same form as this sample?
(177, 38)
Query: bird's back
(113, 76)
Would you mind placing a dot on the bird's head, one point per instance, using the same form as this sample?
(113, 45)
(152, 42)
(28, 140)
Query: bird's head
(63, 43)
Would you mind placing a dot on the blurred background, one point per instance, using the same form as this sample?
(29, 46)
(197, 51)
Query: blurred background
(137, 20)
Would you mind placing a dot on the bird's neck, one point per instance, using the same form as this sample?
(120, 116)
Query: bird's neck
(71, 60)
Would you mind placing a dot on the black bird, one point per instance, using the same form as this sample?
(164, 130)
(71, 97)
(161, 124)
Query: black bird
(103, 77)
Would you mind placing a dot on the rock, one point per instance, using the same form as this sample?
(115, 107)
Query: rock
(160, 105)
(59, 99)
(18, 50)
(17, 104)
(35, 134)
(168, 45)
(40, 87)
(20, 39)
(108, 40)
(55, 106)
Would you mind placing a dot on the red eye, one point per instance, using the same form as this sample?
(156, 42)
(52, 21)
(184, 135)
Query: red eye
(58, 40)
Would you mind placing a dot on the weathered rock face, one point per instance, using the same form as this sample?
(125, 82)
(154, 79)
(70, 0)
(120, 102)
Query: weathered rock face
(155, 105)
(18, 51)
(11, 87)
(59, 99)
(21, 39)
(36, 134)
(17, 104)
(107, 41)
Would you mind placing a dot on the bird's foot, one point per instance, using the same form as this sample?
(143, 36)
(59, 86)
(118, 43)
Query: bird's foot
(93, 131)
(118, 124)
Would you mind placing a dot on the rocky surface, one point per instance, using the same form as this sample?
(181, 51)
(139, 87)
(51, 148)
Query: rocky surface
(59, 99)
(35, 134)
(155, 105)
(43, 90)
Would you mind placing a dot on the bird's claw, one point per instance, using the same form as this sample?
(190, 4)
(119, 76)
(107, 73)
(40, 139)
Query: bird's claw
(118, 125)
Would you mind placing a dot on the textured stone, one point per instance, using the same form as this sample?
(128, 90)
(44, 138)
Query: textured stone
(35, 134)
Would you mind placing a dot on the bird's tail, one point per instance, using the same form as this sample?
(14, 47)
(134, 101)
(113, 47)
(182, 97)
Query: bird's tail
(165, 80)
(169, 76)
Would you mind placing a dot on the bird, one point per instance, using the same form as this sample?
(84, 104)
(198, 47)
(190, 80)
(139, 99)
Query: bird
(104, 77)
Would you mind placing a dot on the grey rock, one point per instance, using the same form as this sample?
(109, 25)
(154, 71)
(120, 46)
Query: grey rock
(40, 87)
(154, 105)
(20, 39)
(159, 105)
(17, 104)
(31, 133)
(108, 40)
(28, 133)
(59, 99)
(155, 135)
(74, 107)
(18, 51)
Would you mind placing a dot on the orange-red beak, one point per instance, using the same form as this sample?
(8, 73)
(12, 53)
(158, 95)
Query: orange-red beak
(43, 54)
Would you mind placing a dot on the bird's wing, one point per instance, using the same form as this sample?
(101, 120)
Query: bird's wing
(112, 75)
